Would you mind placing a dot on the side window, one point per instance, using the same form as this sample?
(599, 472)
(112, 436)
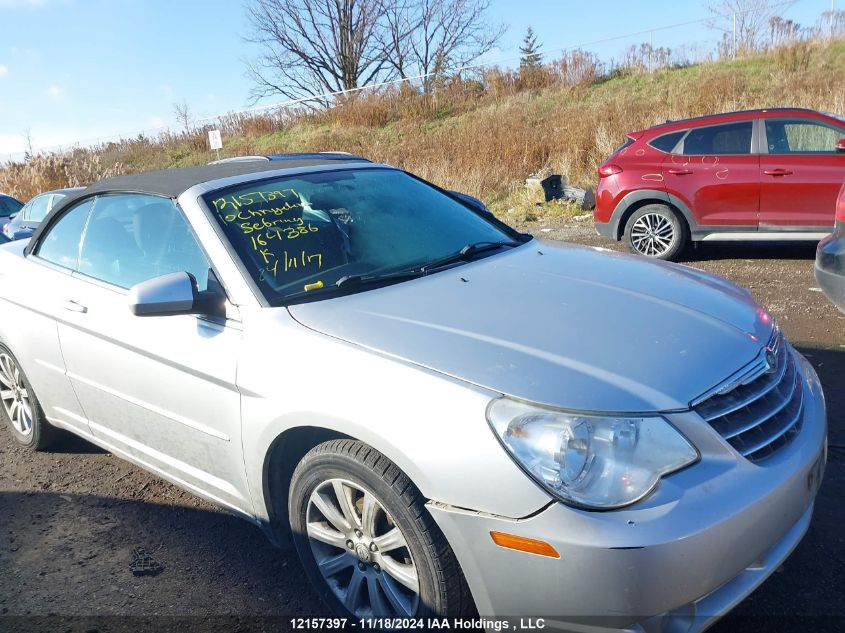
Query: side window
(37, 215)
(716, 140)
(131, 238)
(24, 212)
(799, 136)
(37, 208)
(666, 143)
(60, 245)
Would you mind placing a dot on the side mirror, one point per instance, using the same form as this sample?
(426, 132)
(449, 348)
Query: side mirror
(174, 293)
(472, 202)
(840, 145)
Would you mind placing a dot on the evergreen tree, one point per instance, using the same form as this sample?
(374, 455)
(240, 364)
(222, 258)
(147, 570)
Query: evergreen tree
(530, 56)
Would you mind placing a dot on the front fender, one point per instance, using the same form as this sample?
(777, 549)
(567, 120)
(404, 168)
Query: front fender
(431, 426)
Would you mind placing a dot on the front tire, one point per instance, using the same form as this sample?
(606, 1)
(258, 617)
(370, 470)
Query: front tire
(20, 409)
(366, 540)
(655, 231)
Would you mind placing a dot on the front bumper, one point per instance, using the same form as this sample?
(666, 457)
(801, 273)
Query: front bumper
(830, 267)
(674, 562)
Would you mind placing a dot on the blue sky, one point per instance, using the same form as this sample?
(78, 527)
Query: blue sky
(73, 71)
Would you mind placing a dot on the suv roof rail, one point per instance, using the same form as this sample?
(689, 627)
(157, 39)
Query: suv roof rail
(750, 111)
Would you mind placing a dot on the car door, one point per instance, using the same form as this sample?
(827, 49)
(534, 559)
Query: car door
(801, 173)
(714, 171)
(160, 389)
(35, 304)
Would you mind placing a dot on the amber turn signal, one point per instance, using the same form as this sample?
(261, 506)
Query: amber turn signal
(523, 544)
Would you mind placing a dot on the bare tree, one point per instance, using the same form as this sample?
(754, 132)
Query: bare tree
(783, 32)
(744, 24)
(183, 115)
(436, 37)
(316, 46)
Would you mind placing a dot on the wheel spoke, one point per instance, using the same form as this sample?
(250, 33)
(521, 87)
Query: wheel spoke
(399, 601)
(353, 591)
(25, 418)
(324, 533)
(331, 565)
(5, 378)
(377, 601)
(333, 516)
(368, 514)
(7, 394)
(404, 573)
(344, 501)
(19, 418)
(390, 541)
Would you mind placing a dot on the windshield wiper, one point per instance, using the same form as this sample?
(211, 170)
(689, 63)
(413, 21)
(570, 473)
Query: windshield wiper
(354, 281)
(467, 251)
(358, 280)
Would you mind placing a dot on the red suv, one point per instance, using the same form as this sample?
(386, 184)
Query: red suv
(757, 174)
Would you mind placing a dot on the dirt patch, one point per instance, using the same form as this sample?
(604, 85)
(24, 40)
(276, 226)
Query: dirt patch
(70, 520)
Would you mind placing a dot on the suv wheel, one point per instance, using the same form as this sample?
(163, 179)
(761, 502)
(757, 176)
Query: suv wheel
(655, 231)
(366, 540)
(20, 407)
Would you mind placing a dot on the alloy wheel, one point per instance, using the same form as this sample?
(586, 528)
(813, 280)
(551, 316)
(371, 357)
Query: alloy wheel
(15, 395)
(360, 551)
(652, 234)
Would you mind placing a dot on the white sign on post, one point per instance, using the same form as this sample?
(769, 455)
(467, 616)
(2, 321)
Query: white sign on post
(214, 139)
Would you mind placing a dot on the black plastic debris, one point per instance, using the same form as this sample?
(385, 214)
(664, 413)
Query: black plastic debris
(143, 564)
(552, 187)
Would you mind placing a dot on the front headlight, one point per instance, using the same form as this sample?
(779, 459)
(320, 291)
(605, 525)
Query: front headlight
(597, 462)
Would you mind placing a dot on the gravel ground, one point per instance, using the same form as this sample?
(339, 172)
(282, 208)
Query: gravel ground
(70, 519)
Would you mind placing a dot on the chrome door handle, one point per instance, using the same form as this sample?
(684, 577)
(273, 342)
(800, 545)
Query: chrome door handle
(680, 172)
(73, 306)
(777, 172)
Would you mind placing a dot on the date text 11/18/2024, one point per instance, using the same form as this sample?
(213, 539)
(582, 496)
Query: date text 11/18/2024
(419, 624)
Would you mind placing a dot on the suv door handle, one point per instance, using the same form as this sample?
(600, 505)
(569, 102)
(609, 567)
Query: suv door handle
(776, 172)
(73, 306)
(680, 172)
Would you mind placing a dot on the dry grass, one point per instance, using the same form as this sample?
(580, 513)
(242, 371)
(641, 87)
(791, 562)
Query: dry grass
(484, 135)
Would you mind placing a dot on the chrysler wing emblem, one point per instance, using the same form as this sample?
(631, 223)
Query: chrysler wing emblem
(772, 357)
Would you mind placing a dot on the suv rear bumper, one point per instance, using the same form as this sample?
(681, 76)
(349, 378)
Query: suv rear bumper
(604, 229)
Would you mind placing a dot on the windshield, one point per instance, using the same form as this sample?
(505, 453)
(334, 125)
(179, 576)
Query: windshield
(302, 234)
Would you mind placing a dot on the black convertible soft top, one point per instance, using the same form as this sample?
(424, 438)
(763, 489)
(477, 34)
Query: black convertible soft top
(172, 182)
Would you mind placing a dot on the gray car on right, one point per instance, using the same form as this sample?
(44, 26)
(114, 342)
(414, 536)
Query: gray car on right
(830, 258)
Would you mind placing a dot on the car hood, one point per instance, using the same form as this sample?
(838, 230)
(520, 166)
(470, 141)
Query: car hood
(568, 326)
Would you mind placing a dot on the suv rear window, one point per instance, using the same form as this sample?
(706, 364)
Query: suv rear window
(715, 140)
(666, 142)
(627, 142)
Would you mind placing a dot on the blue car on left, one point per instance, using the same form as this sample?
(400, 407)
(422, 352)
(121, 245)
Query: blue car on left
(23, 225)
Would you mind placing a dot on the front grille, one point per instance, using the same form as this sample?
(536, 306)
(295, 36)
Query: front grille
(762, 412)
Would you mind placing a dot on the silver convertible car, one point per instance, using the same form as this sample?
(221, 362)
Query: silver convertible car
(444, 417)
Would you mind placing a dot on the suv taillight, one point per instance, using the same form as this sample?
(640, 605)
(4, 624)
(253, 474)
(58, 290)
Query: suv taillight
(840, 205)
(609, 169)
